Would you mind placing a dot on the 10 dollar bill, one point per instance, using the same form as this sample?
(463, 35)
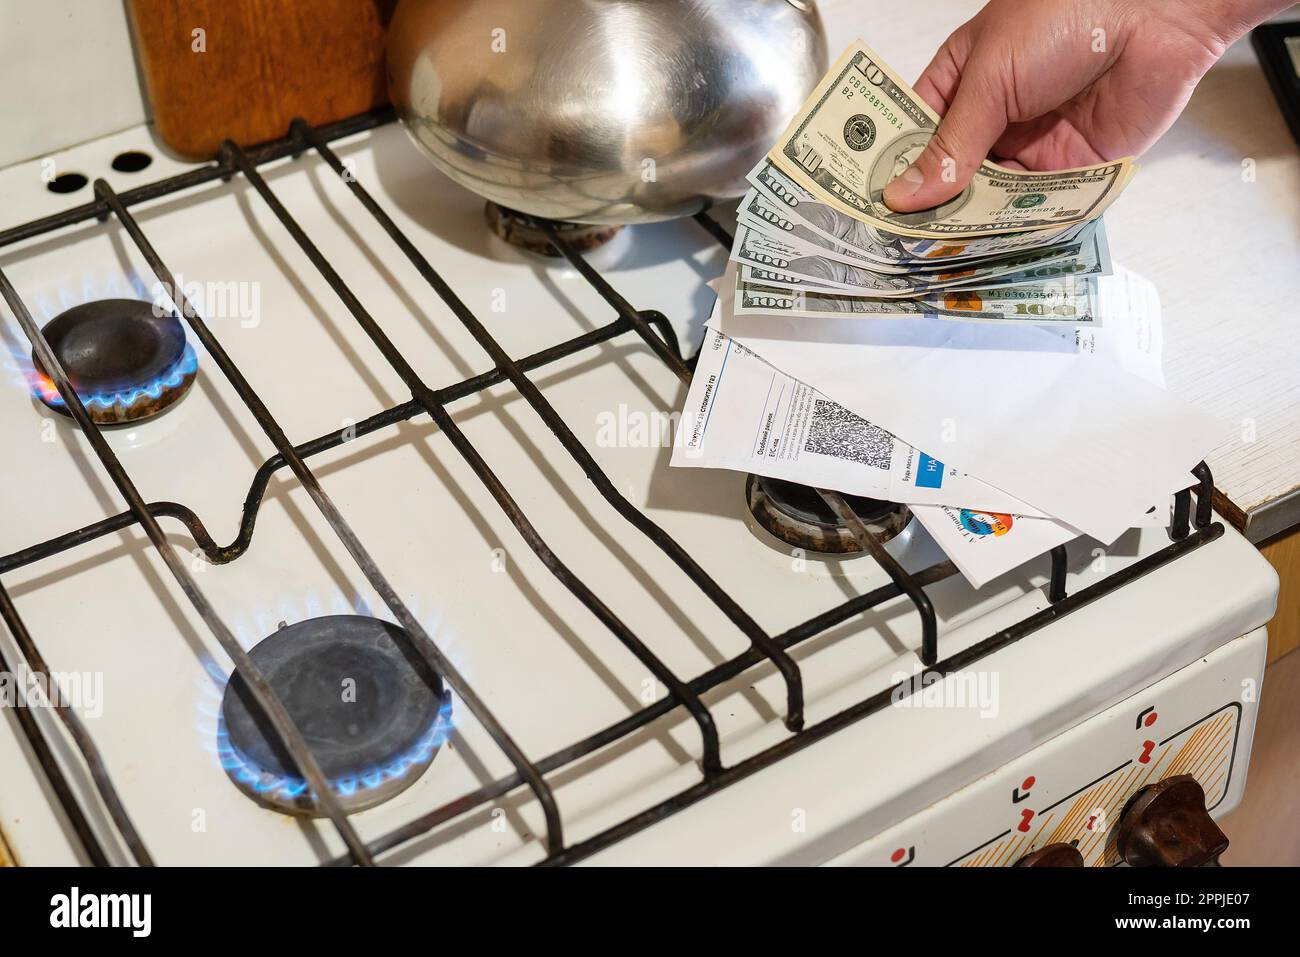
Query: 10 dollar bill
(863, 126)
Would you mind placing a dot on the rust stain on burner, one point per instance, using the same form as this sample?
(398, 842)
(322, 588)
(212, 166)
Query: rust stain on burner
(798, 516)
(370, 709)
(519, 231)
(126, 361)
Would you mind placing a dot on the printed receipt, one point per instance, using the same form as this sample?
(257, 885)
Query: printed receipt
(1078, 426)
(744, 414)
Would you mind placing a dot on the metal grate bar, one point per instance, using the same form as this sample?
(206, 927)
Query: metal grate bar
(58, 781)
(266, 699)
(1204, 495)
(724, 602)
(655, 331)
(423, 645)
(187, 180)
(712, 758)
(662, 349)
(1178, 528)
(710, 680)
(873, 547)
(221, 554)
(1056, 589)
(714, 229)
(883, 699)
(80, 738)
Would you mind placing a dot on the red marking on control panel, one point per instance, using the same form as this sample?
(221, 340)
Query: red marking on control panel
(1028, 783)
(903, 856)
(1025, 817)
(1151, 719)
(1092, 819)
(1147, 748)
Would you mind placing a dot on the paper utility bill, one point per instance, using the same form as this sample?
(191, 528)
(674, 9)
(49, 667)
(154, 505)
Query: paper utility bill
(984, 544)
(1073, 433)
(745, 415)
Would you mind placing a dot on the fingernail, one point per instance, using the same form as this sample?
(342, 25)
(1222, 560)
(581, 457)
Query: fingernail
(905, 184)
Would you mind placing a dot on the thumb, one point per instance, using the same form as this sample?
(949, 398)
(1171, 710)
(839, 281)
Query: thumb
(974, 122)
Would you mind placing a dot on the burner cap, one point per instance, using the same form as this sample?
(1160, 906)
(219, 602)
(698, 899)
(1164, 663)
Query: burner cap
(798, 516)
(125, 362)
(518, 230)
(371, 711)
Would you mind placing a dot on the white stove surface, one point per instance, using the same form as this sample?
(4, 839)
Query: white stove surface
(546, 667)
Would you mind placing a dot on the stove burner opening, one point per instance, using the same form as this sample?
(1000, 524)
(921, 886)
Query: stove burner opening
(125, 362)
(519, 231)
(371, 711)
(798, 516)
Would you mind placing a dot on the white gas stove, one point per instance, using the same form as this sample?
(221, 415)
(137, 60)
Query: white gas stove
(1052, 716)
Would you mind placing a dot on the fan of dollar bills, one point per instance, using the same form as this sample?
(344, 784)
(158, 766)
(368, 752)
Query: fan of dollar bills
(1063, 430)
(815, 237)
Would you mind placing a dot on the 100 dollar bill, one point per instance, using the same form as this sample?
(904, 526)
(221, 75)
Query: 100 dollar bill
(1070, 302)
(760, 213)
(773, 261)
(863, 126)
(784, 206)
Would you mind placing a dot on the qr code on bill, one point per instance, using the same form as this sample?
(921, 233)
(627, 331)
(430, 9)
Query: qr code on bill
(837, 432)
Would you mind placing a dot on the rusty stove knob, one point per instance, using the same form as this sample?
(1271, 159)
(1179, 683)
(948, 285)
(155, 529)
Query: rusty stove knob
(1166, 825)
(1053, 855)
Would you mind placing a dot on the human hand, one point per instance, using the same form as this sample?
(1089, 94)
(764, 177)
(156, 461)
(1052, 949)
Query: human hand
(1055, 84)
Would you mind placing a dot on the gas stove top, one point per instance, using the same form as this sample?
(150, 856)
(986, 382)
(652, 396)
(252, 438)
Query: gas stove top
(409, 485)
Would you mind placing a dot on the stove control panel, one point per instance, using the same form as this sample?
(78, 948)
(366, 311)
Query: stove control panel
(1120, 785)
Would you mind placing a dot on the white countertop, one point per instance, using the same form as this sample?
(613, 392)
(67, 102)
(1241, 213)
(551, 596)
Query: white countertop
(1224, 251)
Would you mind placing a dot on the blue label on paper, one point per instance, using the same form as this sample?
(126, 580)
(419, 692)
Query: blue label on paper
(929, 472)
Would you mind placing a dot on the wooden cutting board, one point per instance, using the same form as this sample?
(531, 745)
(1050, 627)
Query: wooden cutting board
(242, 69)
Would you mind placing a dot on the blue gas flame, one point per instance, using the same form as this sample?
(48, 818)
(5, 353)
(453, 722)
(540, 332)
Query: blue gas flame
(48, 305)
(248, 632)
(288, 788)
(44, 389)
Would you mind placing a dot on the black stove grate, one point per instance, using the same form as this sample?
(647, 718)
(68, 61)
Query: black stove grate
(655, 332)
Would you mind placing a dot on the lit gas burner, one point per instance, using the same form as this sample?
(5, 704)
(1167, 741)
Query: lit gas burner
(371, 711)
(798, 516)
(125, 362)
(519, 231)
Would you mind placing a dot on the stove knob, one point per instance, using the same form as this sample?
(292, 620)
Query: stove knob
(1053, 855)
(1166, 825)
